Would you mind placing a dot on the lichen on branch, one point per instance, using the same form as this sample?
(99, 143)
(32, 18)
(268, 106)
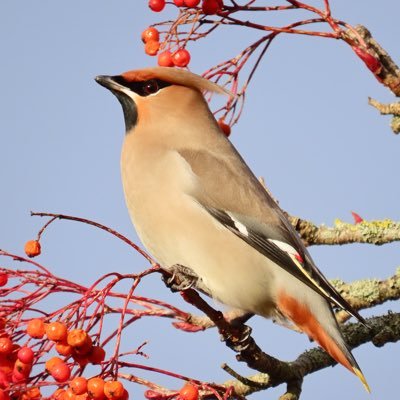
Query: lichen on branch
(372, 232)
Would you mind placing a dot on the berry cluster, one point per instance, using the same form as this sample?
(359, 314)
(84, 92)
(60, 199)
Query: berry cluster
(16, 364)
(208, 7)
(179, 58)
(151, 36)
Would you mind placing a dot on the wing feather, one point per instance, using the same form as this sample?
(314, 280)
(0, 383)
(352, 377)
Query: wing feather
(238, 201)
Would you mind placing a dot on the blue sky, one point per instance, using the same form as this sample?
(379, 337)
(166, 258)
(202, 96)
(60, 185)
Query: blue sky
(306, 128)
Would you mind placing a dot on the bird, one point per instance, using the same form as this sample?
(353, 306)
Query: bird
(195, 202)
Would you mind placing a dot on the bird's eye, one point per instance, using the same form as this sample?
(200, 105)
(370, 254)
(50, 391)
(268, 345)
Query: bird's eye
(150, 87)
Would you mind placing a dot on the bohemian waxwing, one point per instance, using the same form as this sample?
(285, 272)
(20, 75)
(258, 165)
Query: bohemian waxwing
(194, 202)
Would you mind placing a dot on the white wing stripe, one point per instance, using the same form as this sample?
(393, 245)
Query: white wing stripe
(287, 248)
(239, 226)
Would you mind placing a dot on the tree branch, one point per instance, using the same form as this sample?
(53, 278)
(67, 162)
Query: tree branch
(372, 232)
(388, 73)
(367, 293)
(392, 108)
(381, 330)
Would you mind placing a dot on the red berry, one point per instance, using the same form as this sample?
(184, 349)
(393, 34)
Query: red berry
(64, 349)
(6, 345)
(225, 128)
(165, 59)
(68, 395)
(151, 47)
(189, 392)
(179, 3)
(3, 278)
(78, 385)
(22, 368)
(191, 3)
(4, 395)
(57, 331)
(4, 379)
(26, 355)
(80, 359)
(32, 394)
(32, 248)
(61, 372)
(95, 388)
(77, 337)
(157, 5)
(97, 355)
(210, 7)
(58, 394)
(35, 328)
(18, 377)
(181, 58)
(51, 363)
(113, 389)
(150, 33)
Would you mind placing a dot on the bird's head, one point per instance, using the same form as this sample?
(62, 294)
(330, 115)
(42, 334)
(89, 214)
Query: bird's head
(154, 93)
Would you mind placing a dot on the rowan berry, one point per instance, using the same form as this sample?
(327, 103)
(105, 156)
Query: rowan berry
(97, 355)
(6, 345)
(189, 392)
(35, 328)
(210, 7)
(151, 47)
(150, 33)
(32, 248)
(3, 278)
(26, 355)
(95, 388)
(113, 389)
(191, 3)
(157, 5)
(61, 372)
(225, 128)
(78, 385)
(56, 331)
(181, 58)
(165, 59)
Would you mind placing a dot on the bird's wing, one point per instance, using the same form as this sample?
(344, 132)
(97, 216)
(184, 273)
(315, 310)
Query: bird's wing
(230, 192)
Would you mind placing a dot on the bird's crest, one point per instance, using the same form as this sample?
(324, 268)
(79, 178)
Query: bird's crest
(175, 76)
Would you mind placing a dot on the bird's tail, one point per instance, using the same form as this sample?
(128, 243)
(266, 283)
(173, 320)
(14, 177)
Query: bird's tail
(332, 342)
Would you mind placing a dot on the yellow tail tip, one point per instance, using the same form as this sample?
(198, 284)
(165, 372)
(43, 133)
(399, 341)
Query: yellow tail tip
(362, 379)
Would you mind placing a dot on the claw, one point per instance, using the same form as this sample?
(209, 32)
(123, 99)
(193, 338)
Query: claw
(182, 278)
(239, 340)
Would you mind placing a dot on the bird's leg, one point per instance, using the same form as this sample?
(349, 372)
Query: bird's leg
(236, 335)
(239, 336)
(238, 317)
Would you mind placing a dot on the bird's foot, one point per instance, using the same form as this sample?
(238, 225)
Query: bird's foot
(181, 278)
(238, 339)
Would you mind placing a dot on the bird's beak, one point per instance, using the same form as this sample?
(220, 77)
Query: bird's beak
(108, 82)
(122, 94)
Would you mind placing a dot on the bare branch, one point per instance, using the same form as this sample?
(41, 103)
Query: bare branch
(392, 108)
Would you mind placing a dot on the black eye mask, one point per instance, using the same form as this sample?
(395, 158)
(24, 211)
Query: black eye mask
(143, 88)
